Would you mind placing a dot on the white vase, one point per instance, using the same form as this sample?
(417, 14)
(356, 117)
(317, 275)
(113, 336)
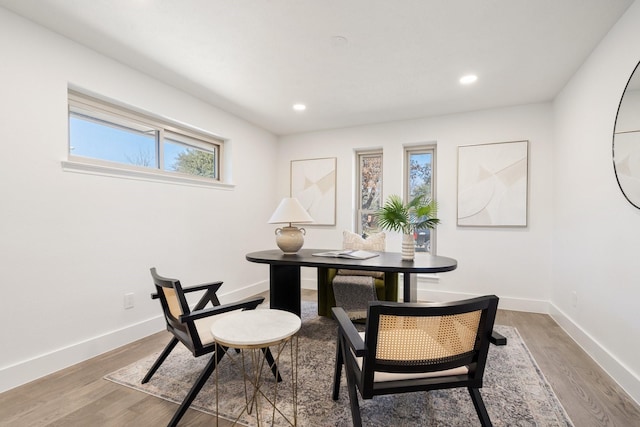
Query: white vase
(408, 247)
(290, 239)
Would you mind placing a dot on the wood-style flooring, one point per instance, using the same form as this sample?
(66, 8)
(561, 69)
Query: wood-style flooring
(79, 396)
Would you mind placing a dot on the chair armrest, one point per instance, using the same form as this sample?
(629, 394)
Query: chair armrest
(350, 333)
(203, 287)
(247, 304)
(208, 296)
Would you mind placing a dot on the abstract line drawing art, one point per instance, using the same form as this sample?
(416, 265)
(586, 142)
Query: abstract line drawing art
(492, 184)
(313, 183)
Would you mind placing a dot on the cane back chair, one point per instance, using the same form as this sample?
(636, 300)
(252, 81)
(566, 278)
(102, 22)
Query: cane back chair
(193, 328)
(408, 347)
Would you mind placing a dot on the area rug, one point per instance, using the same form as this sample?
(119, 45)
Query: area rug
(515, 391)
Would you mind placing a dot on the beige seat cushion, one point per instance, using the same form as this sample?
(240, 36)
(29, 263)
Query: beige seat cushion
(392, 376)
(203, 326)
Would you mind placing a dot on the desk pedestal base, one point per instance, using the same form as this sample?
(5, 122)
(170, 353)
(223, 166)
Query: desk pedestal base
(284, 291)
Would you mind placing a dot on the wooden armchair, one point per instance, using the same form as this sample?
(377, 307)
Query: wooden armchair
(193, 328)
(409, 347)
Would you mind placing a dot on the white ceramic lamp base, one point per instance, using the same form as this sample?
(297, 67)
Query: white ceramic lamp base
(290, 239)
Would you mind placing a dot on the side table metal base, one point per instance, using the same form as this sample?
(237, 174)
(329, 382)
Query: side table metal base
(258, 334)
(255, 372)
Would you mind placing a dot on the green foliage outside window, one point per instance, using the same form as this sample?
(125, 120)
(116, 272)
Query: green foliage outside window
(195, 162)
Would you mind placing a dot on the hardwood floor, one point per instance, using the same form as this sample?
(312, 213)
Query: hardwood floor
(79, 396)
(588, 394)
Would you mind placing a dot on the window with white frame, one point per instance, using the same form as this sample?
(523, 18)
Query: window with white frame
(110, 134)
(369, 191)
(420, 167)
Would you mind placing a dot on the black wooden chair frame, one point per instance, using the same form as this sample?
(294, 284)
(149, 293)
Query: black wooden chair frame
(350, 346)
(184, 331)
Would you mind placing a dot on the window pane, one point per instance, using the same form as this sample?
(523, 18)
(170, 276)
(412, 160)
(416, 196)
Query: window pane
(183, 158)
(110, 132)
(369, 192)
(420, 167)
(97, 139)
(369, 223)
(419, 181)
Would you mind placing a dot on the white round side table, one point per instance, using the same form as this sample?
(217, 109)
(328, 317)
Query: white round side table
(253, 331)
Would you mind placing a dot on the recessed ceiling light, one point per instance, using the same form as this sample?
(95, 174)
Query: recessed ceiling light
(339, 41)
(468, 79)
(299, 107)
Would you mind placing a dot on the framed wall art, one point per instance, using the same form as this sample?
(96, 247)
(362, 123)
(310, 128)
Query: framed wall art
(313, 183)
(493, 184)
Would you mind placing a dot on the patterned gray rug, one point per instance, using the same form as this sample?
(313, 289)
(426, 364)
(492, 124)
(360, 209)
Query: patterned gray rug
(515, 390)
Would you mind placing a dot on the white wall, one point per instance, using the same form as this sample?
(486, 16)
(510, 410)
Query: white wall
(514, 263)
(73, 244)
(596, 234)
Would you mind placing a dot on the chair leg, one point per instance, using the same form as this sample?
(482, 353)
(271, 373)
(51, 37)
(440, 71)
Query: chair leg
(480, 408)
(160, 359)
(337, 373)
(218, 354)
(353, 393)
(272, 363)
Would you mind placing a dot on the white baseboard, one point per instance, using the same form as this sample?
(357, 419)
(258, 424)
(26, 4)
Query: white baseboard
(37, 367)
(629, 381)
(246, 292)
(48, 363)
(506, 303)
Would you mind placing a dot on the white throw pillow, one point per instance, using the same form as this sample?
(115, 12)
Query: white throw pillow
(353, 241)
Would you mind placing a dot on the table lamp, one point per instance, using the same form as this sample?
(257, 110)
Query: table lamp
(290, 239)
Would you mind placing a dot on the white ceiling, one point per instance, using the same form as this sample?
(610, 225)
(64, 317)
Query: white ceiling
(402, 58)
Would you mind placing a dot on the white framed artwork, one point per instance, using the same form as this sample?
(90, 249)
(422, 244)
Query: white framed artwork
(313, 183)
(493, 184)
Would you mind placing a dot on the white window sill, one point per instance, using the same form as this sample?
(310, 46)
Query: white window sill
(141, 174)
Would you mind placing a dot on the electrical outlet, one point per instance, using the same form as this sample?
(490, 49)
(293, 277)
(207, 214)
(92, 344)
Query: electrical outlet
(128, 300)
(574, 299)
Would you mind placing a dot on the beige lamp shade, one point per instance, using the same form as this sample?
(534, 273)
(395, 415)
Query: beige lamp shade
(290, 239)
(290, 210)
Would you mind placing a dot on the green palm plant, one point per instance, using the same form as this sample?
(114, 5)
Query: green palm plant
(418, 214)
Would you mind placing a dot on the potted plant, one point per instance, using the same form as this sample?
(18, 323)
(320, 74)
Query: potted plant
(418, 214)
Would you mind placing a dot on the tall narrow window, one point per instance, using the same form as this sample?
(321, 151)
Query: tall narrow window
(369, 194)
(420, 179)
(104, 132)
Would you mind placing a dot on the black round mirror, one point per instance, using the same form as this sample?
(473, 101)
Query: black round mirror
(626, 140)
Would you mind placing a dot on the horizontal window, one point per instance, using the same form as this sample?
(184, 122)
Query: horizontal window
(105, 134)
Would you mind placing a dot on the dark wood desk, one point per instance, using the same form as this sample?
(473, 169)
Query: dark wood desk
(284, 271)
